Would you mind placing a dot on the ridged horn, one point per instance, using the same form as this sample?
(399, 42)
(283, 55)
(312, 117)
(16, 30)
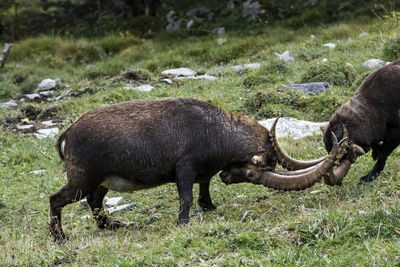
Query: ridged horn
(291, 181)
(336, 177)
(286, 161)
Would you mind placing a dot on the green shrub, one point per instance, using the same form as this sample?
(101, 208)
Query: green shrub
(336, 73)
(391, 50)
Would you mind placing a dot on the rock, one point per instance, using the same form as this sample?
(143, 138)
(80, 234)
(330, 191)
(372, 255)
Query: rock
(113, 201)
(32, 97)
(312, 36)
(169, 81)
(205, 77)
(230, 5)
(246, 66)
(285, 56)
(373, 63)
(294, 128)
(252, 11)
(330, 45)
(37, 172)
(174, 23)
(46, 93)
(120, 208)
(141, 88)
(46, 133)
(46, 84)
(219, 31)
(49, 123)
(200, 14)
(9, 104)
(315, 192)
(178, 72)
(189, 24)
(363, 34)
(324, 60)
(24, 127)
(310, 88)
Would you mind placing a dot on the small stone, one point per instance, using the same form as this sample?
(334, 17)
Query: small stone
(315, 192)
(169, 81)
(312, 36)
(324, 60)
(37, 172)
(141, 88)
(46, 84)
(205, 76)
(47, 133)
(49, 123)
(86, 217)
(178, 72)
(219, 31)
(310, 88)
(246, 66)
(285, 56)
(252, 10)
(113, 201)
(32, 97)
(24, 127)
(363, 34)
(120, 208)
(9, 104)
(373, 63)
(330, 45)
(46, 93)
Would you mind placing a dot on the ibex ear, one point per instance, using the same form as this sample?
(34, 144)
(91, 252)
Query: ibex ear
(257, 160)
(323, 128)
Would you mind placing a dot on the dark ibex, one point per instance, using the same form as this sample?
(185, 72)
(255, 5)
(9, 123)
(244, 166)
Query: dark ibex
(143, 144)
(372, 119)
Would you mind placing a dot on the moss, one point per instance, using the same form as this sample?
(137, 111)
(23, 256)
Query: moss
(336, 73)
(391, 50)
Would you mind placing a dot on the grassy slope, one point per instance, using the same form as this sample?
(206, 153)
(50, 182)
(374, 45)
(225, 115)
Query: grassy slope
(350, 225)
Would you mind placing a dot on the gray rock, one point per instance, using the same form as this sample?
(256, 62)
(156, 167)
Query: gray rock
(312, 36)
(253, 66)
(219, 31)
(230, 5)
(330, 45)
(200, 14)
(9, 104)
(373, 63)
(141, 88)
(174, 23)
(178, 72)
(252, 11)
(37, 172)
(32, 97)
(285, 56)
(294, 128)
(120, 208)
(315, 192)
(363, 34)
(46, 93)
(46, 84)
(24, 127)
(166, 80)
(49, 123)
(189, 24)
(113, 201)
(171, 16)
(205, 77)
(46, 133)
(310, 88)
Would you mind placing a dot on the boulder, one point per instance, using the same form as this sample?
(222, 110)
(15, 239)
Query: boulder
(252, 11)
(200, 14)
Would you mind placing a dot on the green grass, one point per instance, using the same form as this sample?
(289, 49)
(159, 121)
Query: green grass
(355, 224)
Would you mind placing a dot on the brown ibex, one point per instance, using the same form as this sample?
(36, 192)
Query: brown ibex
(143, 144)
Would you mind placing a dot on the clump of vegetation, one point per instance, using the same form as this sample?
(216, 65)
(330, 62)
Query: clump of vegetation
(336, 73)
(391, 50)
(275, 70)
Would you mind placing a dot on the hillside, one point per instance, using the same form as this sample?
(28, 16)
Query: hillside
(355, 224)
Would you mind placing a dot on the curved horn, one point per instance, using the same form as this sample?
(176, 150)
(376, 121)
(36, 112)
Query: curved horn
(286, 161)
(303, 180)
(336, 176)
